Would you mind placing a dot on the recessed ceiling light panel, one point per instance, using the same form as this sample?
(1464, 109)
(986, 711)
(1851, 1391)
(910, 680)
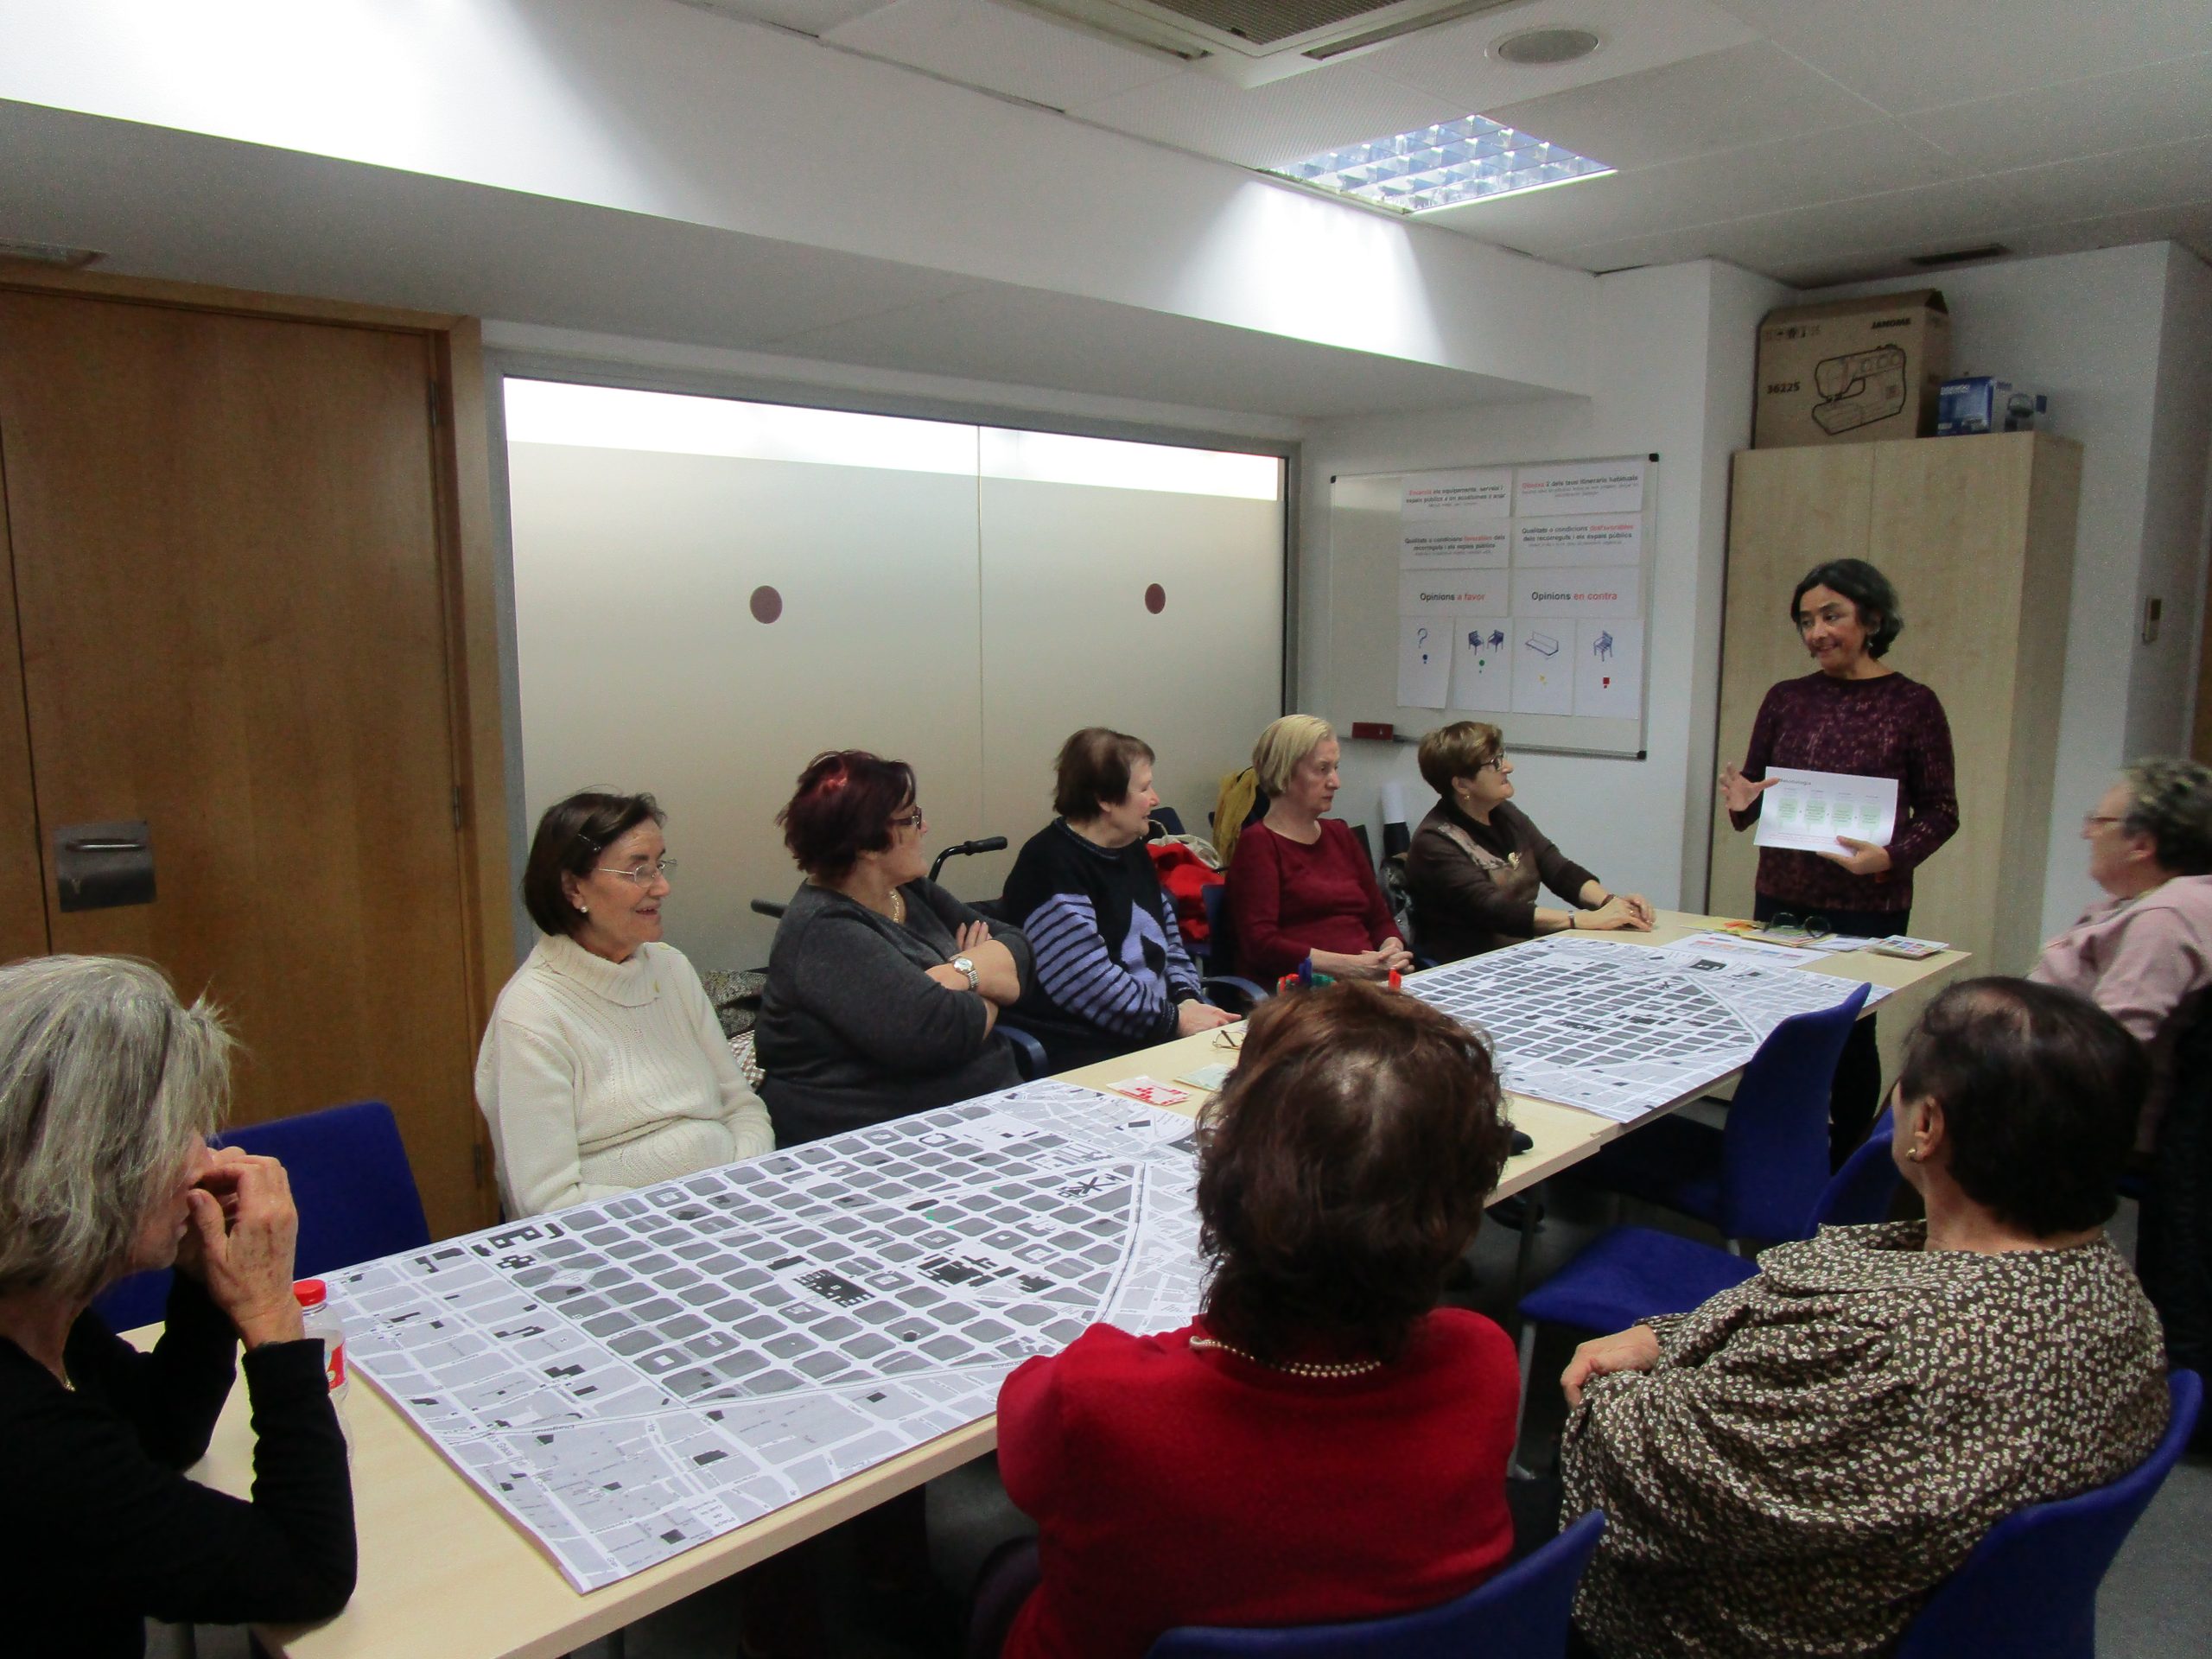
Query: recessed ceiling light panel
(1541, 47)
(1468, 160)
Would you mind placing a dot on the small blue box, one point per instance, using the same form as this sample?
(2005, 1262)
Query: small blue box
(1979, 403)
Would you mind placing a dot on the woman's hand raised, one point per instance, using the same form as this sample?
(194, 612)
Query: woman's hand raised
(242, 1228)
(1740, 792)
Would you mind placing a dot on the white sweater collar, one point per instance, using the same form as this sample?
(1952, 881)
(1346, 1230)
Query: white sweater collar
(631, 983)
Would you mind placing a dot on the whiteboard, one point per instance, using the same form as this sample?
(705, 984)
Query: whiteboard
(1515, 594)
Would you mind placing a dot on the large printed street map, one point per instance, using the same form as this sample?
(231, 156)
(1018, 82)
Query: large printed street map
(635, 1376)
(1621, 1029)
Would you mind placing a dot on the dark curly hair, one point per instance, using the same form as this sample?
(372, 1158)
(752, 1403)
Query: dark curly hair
(1343, 1170)
(842, 807)
(2040, 1089)
(1868, 589)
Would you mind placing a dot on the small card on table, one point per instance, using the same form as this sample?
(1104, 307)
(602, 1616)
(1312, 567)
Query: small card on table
(1151, 1091)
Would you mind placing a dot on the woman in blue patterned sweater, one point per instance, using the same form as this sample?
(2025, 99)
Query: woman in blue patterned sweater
(1111, 972)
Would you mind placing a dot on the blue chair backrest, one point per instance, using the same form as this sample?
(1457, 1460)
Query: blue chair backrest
(1858, 1194)
(1168, 819)
(1520, 1614)
(1774, 1154)
(2029, 1591)
(351, 1183)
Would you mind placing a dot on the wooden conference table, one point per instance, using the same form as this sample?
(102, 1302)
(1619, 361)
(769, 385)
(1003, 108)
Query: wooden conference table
(443, 1575)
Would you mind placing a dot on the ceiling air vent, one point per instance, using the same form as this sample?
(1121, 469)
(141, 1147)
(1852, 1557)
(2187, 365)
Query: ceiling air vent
(1960, 256)
(1251, 43)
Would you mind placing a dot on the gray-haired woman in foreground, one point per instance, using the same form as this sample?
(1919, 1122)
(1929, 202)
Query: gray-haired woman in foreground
(108, 1089)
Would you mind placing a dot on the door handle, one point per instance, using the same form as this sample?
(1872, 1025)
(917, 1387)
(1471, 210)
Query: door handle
(101, 866)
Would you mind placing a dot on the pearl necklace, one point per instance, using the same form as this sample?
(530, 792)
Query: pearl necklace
(1295, 1367)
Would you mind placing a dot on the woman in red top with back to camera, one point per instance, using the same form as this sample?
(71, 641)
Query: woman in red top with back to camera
(1323, 1442)
(1298, 885)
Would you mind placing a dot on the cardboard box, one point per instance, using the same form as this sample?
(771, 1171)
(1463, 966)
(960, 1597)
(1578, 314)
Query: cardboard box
(1979, 403)
(1851, 371)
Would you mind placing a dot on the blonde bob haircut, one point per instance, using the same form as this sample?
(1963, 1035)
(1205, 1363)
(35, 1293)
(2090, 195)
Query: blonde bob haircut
(1284, 745)
(104, 1081)
(1456, 750)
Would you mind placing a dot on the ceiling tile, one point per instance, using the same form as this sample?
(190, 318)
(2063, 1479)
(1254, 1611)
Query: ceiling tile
(1723, 99)
(1453, 60)
(2155, 103)
(1267, 126)
(1864, 159)
(981, 44)
(2156, 176)
(1912, 54)
(808, 16)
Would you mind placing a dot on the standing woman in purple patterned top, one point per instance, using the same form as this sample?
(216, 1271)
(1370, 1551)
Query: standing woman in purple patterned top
(1859, 717)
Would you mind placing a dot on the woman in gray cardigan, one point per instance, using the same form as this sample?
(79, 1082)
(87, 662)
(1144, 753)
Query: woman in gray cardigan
(884, 990)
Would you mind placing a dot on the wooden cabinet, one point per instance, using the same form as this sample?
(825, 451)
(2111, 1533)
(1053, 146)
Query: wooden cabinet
(234, 613)
(1977, 534)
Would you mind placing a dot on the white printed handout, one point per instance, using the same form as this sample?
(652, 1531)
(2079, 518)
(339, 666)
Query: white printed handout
(1547, 543)
(1580, 486)
(1544, 668)
(1807, 811)
(1444, 547)
(1609, 669)
(1482, 665)
(1614, 593)
(1468, 492)
(1424, 661)
(1455, 520)
(1445, 593)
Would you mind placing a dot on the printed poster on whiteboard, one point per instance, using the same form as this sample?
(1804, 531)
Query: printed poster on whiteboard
(1543, 667)
(1612, 592)
(1482, 665)
(1609, 669)
(1587, 487)
(1456, 519)
(1424, 661)
(1548, 544)
(1449, 593)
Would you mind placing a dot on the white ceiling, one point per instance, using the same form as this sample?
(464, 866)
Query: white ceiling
(1815, 141)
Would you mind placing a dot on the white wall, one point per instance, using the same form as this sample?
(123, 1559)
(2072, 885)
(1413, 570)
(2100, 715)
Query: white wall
(2120, 339)
(1671, 350)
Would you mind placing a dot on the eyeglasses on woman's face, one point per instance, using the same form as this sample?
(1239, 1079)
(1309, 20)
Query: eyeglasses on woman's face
(910, 819)
(641, 875)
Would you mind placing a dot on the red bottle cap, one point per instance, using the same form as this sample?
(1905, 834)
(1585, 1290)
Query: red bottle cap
(310, 1293)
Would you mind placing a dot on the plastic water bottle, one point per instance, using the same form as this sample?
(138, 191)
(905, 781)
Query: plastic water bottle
(321, 1320)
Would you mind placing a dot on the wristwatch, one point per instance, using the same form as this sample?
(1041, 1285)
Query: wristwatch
(967, 967)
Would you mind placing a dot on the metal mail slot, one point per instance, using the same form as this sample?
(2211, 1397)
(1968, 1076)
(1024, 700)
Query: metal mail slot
(99, 866)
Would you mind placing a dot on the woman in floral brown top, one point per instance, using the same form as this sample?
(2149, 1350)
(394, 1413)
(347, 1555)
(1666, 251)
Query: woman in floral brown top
(1793, 1468)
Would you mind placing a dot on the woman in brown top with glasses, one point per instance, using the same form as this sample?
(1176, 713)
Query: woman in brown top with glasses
(1477, 859)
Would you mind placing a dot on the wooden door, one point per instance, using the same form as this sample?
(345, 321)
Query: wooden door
(224, 537)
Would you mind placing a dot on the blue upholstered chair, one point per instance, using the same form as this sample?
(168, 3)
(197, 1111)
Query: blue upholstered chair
(1520, 1614)
(1632, 1273)
(1760, 1176)
(2029, 1591)
(351, 1183)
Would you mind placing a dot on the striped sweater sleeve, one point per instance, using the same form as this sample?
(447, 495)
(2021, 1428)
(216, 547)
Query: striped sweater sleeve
(1183, 982)
(1080, 973)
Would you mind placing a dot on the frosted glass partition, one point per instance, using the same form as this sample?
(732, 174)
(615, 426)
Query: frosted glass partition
(960, 597)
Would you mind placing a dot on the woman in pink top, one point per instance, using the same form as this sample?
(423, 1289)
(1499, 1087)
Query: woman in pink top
(1298, 885)
(2144, 953)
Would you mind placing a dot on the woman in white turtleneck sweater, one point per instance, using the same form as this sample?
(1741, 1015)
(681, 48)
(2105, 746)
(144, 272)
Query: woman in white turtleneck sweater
(604, 1068)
